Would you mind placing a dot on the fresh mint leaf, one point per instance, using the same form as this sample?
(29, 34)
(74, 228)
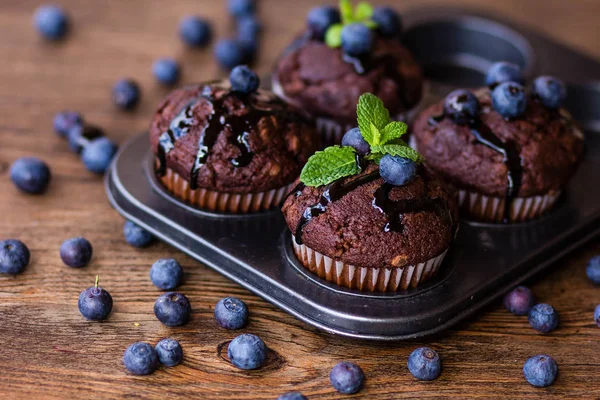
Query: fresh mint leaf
(376, 135)
(363, 12)
(371, 111)
(401, 150)
(329, 165)
(393, 130)
(346, 12)
(333, 36)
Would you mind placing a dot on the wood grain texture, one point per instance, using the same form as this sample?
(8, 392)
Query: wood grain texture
(47, 350)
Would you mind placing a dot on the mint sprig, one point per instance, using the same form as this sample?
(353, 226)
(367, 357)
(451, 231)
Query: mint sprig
(383, 136)
(361, 14)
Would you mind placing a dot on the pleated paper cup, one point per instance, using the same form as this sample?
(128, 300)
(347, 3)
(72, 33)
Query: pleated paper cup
(232, 203)
(491, 209)
(384, 279)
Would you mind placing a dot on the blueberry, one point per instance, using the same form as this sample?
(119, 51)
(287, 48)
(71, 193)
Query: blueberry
(244, 80)
(81, 135)
(51, 21)
(240, 8)
(519, 301)
(397, 170)
(540, 370)
(14, 256)
(354, 139)
(65, 121)
(357, 40)
(320, 19)
(76, 252)
(550, 91)
(166, 71)
(230, 53)
(231, 313)
(388, 22)
(461, 106)
(248, 27)
(593, 270)
(126, 94)
(166, 274)
(597, 315)
(292, 396)
(503, 71)
(172, 309)
(98, 154)
(169, 352)
(543, 318)
(140, 359)
(509, 99)
(95, 303)
(424, 364)
(136, 235)
(247, 351)
(346, 377)
(195, 31)
(31, 175)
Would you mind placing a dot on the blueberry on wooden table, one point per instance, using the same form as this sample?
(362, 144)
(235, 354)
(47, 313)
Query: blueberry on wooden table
(166, 274)
(597, 315)
(30, 175)
(543, 318)
(346, 377)
(231, 313)
(76, 252)
(172, 309)
(98, 155)
(424, 364)
(230, 53)
(52, 22)
(169, 352)
(593, 270)
(166, 71)
(95, 303)
(126, 94)
(241, 8)
(195, 31)
(14, 256)
(519, 300)
(540, 370)
(292, 396)
(64, 121)
(136, 235)
(247, 351)
(140, 359)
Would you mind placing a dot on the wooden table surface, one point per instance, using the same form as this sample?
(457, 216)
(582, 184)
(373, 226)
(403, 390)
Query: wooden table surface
(48, 350)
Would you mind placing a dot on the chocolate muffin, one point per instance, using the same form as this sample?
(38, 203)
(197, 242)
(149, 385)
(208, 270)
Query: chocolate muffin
(229, 150)
(371, 227)
(508, 151)
(337, 59)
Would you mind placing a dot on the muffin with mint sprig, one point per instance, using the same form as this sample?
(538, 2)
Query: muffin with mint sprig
(342, 54)
(367, 215)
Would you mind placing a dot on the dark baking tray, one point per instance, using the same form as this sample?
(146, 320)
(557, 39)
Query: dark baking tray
(486, 260)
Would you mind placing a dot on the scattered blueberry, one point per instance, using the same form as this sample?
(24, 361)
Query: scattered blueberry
(31, 175)
(169, 352)
(244, 80)
(51, 21)
(136, 235)
(354, 139)
(502, 72)
(346, 377)
(424, 364)
(95, 303)
(195, 31)
(397, 170)
(76, 252)
(230, 53)
(320, 19)
(231, 313)
(81, 135)
(540, 370)
(140, 359)
(65, 121)
(509, 99)
(172, 309)
(543, 318)
(550, 91)
(519, 301)
(357, 39)
(166, 71)
(593, 270)
(240, 8)
(14, 256)
(461, 106)
(98, 154)
(597, 315)
(126, 94)
(388, 21)
(248, 27)
(292, 396)
(166, 274)
(247, 351)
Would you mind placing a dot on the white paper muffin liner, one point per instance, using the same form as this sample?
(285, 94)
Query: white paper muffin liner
(382, 279)
(233, 203)
(491, 209)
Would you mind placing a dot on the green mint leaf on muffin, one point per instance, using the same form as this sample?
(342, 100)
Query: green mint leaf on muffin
(333, 36)
(329, 165)
(361, 14)
(401, 149)
(393, 130)
(371, 112)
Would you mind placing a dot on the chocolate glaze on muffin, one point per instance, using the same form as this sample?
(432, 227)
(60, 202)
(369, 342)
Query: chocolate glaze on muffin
(219, 140)
(327, 83)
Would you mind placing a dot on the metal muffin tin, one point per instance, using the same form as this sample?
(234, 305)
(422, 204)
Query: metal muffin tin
(485, 261)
